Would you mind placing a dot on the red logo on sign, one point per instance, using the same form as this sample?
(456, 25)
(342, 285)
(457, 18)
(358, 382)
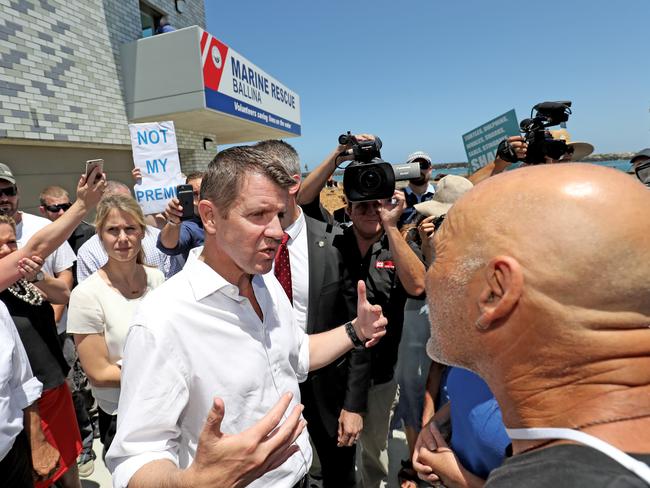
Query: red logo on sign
(213, 54)
(385, 265)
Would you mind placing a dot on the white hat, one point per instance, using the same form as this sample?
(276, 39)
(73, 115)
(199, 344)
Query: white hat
(448, 190)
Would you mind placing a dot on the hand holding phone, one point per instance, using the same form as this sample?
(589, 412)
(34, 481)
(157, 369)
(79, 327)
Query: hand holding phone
(185, 195)
(91, 164)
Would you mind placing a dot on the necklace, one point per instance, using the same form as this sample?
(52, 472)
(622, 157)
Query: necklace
(26, 292)
(584, 426)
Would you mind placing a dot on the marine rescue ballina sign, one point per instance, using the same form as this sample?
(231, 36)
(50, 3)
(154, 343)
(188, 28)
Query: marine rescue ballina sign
(236, 86)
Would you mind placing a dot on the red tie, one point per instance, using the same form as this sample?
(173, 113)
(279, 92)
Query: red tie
(283, 267)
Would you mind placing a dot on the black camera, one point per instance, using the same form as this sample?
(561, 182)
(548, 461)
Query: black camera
(368, 177)
(539, 141)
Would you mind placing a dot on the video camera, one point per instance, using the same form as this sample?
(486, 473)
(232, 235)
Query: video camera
(368, 177)
(540, 144)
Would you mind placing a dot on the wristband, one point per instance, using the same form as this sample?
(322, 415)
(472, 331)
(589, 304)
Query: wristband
(352, 334)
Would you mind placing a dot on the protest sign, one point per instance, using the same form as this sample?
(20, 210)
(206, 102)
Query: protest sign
(481, 143)
(156, 154)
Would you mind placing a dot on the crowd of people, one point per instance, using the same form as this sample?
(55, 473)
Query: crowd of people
(501, 320)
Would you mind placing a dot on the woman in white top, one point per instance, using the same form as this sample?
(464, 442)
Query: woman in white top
(101, 306)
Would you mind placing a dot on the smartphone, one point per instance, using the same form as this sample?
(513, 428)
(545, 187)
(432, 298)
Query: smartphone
(91, 164)
(185, 195)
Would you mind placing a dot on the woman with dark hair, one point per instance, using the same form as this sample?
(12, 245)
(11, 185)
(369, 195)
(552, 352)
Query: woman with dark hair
(101, 306)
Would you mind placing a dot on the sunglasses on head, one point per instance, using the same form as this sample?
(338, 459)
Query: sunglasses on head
(58, 207)
(10, 191)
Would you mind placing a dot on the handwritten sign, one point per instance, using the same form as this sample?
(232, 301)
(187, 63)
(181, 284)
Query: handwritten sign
(156, 154)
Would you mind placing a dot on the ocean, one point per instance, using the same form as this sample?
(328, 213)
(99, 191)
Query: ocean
(621, 164)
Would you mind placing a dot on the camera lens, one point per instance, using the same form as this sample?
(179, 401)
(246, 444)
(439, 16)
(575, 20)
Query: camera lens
(369, 180)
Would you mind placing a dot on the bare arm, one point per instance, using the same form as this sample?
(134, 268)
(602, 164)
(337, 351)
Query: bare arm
(370, 326)
(46, 240)
(54, 289)
(45, 458)
(93, 355)
(171, 232)
(315, 181)
(408, 266)
(431, 391)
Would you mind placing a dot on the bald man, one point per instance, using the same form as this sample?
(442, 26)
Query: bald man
(541, 286)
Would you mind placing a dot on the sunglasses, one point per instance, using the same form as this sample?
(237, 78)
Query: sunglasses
(643, 173)
(10, 191)
(437, 222)
(57, 208)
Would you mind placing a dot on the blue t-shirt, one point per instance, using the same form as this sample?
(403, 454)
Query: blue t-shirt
(191, 235)
(478, 436)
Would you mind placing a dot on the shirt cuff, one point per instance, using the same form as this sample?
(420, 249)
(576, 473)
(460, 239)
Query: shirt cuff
(303, 359)
(27, 393)
(124, 468)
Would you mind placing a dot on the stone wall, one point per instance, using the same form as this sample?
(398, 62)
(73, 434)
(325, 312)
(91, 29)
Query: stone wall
(60, 72)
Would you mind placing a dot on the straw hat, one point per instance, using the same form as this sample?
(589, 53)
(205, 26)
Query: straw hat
(448, 190)
(580, 149)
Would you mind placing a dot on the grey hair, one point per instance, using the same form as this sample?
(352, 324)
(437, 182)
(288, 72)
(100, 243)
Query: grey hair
(113, 187)
(225, 176)
(284, 151)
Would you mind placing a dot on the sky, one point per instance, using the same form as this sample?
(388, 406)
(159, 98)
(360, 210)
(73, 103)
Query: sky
(419, 74)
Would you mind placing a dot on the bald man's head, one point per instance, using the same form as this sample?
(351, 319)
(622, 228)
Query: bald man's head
(538, 255)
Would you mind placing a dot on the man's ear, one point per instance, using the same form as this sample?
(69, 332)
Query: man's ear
(501, 291)
(293, 189)
(208, 213)
(41, 209)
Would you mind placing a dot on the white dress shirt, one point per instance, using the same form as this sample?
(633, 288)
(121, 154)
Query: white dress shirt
(299, 262)
(18, 386)
(92, 256)
(61, 259)
(194, 338)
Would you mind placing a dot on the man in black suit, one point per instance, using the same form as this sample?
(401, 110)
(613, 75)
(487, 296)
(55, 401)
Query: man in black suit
(335, 397)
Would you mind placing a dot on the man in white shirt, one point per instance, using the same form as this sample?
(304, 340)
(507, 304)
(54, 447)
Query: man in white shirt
(224, 326)
(18, 390)
(323, 296)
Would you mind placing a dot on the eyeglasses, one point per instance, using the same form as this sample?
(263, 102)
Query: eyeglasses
(437, 222)
(425, 165)
(57, 208)
(9, 191)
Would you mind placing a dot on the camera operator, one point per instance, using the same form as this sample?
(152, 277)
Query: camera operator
(419, 189)
(374, 250)
(499, 164)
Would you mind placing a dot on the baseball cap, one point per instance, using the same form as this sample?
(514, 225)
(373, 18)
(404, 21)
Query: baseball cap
(6, 174)
(419, 156)
(643, 153)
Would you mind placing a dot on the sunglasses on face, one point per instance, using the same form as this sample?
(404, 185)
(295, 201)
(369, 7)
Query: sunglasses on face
(10, 191)
(57, 208)
(643, 173)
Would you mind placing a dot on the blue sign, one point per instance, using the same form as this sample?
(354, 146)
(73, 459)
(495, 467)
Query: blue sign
(481, 143)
